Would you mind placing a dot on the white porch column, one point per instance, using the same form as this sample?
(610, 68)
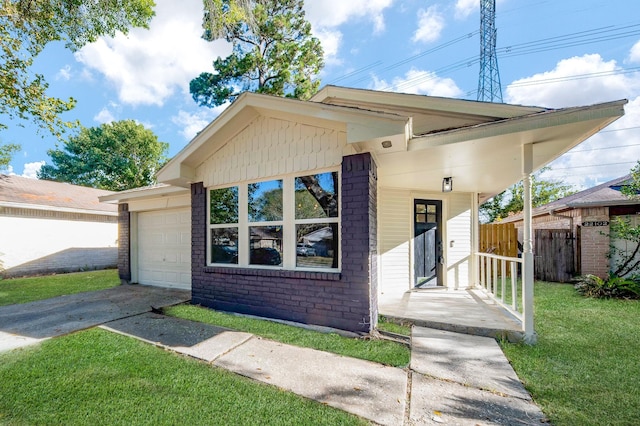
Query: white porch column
(527, 250)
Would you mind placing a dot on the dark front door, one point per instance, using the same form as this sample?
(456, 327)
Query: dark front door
(427, 243)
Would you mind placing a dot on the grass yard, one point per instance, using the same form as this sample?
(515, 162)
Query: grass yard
(98, 377)
(23, 290)
(376, 350)
(585, 368)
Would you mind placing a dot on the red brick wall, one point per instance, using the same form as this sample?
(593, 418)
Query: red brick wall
(595, 243)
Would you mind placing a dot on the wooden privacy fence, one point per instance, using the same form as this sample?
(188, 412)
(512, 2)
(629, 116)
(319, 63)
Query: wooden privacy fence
(500, 239)
(554, 259)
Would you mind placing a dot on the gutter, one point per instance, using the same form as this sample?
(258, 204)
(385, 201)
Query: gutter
(554, 214)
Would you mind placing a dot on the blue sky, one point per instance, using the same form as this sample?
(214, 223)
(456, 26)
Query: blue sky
(550, 53)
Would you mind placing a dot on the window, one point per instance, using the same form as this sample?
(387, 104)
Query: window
(223, 213)
(291, 223)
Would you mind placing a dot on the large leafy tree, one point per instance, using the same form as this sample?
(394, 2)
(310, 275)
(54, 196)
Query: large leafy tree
(511, 200)
(27, 27)
(273, 51)
(115, 156)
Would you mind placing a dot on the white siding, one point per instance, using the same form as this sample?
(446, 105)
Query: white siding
(272, 147)
(394, 236)
(457, 240)
(26, 239)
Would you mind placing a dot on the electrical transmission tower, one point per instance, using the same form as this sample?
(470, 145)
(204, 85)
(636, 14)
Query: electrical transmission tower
(489, 88)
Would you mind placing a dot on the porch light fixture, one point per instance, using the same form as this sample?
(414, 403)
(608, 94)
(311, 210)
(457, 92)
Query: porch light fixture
(386, 144)
(447, 184)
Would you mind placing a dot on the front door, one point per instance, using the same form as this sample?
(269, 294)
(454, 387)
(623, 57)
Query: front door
(427, 243)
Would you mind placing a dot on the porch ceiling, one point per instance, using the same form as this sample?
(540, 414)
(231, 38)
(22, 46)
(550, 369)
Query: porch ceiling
(487, 158)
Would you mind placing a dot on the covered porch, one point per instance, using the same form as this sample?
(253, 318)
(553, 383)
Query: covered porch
(470, 311)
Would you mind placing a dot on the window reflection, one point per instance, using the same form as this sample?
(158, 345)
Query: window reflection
(265, 201)
(224, 245)
(266, 245)
(316, 246)
(316, 196)
(224, 205)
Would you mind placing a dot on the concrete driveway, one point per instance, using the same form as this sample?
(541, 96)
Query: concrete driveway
(29, 323)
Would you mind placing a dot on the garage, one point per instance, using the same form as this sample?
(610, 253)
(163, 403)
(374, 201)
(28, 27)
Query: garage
(164, 248)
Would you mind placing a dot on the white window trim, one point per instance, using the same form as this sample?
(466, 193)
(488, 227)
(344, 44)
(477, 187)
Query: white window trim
(288, 224)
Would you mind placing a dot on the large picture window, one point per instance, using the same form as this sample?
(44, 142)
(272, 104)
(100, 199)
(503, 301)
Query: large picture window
(290, 223)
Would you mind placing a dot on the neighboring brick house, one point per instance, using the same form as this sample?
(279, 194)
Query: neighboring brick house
(313, 211)
(52, 227)
(587, 214)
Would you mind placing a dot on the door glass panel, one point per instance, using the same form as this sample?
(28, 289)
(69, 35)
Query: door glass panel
(421, 208)
(421, 217)
(431, 209)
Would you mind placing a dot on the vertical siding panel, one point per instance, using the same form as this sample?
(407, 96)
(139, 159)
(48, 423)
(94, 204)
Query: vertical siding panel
(394, 228)
(458, 253)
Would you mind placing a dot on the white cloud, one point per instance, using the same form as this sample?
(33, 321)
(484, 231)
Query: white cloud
(104, 116)
(64, 73)
(634, 55)
(193, 123)
(421, 82)
(31, 169)
(148, 66)
(333, 13)
(612, 152)
(575, 81)
(326, 16)
(464, 8)
(430, 25)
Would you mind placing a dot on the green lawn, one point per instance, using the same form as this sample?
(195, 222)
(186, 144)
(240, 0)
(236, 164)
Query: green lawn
(585, 368)
(102, 378)
(23, 290)
(376, 350)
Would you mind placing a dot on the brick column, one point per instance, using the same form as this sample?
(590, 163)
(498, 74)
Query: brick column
(124, 243)
(594, 248)
(359, 234)
(198, 241)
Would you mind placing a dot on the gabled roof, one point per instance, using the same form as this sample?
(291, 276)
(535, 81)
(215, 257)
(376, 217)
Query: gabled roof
(604, 195)
(21, 192)
(416, 140)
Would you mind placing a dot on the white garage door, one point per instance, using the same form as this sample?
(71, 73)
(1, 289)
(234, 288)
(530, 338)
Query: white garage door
(164, 248)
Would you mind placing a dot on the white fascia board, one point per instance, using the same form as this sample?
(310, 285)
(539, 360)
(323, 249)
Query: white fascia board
(606, 112)
(142, 193)
(446, 105)
(56, 209)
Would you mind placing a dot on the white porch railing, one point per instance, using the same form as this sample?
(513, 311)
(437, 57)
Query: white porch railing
(499, 278)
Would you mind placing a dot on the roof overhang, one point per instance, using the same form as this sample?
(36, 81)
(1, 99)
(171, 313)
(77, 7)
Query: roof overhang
(487, 158)
(145, 193)
(43, 207)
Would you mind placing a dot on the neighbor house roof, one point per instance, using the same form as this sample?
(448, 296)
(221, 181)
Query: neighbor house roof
(603, 195)
(21, 192)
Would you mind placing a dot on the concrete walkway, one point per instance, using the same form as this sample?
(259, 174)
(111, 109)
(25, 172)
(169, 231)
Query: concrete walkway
(453, 378)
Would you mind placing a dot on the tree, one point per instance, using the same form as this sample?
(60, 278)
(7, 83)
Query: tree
(273, 51)
(6, 151)
(627, 261)
(28, 26)
(115, 156)
(512, 199)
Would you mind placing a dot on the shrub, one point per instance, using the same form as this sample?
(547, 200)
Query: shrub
(611, 287)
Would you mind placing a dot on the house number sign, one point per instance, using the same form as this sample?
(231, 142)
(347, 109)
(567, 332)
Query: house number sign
(596, 223)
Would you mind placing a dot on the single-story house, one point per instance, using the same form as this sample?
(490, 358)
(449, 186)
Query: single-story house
(393, 181)
(586, 215)
(52, 227)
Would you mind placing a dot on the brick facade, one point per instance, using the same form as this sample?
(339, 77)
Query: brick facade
(345, 300)
(124, 242)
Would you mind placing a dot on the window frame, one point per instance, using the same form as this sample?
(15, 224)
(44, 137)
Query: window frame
(289, 224)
